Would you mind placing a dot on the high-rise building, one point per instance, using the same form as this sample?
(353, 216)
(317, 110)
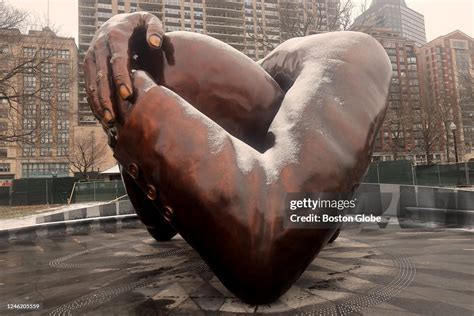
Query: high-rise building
(393, 15)
(251, 26)
(40, 114)
(448, 71)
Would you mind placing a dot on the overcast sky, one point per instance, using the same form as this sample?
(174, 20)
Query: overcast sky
(441, 16)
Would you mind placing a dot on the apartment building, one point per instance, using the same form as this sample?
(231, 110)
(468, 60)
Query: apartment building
(251, 26)
(41, 118)
(448, 71)
(403, 135)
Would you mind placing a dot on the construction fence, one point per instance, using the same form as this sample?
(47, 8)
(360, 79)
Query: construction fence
(98, 191)
(37, 191)
(33, 191)
(404, 172)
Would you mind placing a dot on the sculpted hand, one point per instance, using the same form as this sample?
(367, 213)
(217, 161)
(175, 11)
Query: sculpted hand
(108, 61)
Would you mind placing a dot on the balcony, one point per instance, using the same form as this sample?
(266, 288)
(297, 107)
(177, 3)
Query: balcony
(221, 17)
(220, 7)
(235, 27)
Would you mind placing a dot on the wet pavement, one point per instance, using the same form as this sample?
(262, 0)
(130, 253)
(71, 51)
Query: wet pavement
(369, 272)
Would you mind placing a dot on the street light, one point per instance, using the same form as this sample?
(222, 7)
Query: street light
(453, 128)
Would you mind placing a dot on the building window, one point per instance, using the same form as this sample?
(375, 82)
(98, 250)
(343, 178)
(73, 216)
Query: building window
(3, 126)
(29, 123)
(45, 151)
(63, 124)
(46, 138)
(63, 70)
(459, 44)
(63, 96)
(29, 82)
(62, 151)
(29, 51)
(104, 6)
(106, 15)
(63, 137)
(28, 151)
(3, 152)
(4, 50)
(46, 52)
(4, 167)
(46, 68)
(44, 169)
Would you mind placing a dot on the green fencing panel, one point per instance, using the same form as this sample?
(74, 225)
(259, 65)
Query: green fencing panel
(396, 172)
(371, 175)
(61, 189)
(106, 191)
(4, 195)
(19, 192)
(427, 175)
(35, 191)
(121, 189)
(84, 192)
(31, 191)
(453, 174)
(98, 191)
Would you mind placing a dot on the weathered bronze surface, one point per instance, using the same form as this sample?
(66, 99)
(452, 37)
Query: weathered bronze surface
(218, 149)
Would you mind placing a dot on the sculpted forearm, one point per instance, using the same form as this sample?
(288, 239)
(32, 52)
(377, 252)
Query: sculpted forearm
(334, 106)
(182, 146)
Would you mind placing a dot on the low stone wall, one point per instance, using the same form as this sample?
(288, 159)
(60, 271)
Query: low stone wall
(110, 209)
(416, 205)
(108, 224)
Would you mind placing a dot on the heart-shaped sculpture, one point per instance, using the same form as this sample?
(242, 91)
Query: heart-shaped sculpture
(212, 146)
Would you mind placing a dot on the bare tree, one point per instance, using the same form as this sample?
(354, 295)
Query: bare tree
(397, 143)
(11, 17)
(429, 133)
(85, 155)
(466, 102)
(25, 79)
(298, 18)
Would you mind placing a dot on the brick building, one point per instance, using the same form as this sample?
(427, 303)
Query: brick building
(448, 70)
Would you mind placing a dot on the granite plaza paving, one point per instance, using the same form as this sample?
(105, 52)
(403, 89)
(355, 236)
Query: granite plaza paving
(388, 271)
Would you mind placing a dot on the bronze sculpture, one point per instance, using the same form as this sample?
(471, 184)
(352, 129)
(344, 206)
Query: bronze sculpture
(223, 186)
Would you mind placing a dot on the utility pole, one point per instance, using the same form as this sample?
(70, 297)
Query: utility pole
(47, 19)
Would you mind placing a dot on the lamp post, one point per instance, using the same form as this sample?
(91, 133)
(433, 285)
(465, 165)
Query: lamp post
(453, 128)
(471, 116)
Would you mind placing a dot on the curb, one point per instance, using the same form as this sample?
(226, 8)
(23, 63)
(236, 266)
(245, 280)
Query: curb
(108, 224)
(103, 210)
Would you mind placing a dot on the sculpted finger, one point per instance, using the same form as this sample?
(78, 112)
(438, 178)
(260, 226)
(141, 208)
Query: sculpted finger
(90, 71)
(120, 62)
(104, 88)
(155, 31)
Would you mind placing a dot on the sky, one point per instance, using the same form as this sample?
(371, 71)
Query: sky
(441, 16)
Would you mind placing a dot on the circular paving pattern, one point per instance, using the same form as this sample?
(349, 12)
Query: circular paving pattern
(150, 277)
